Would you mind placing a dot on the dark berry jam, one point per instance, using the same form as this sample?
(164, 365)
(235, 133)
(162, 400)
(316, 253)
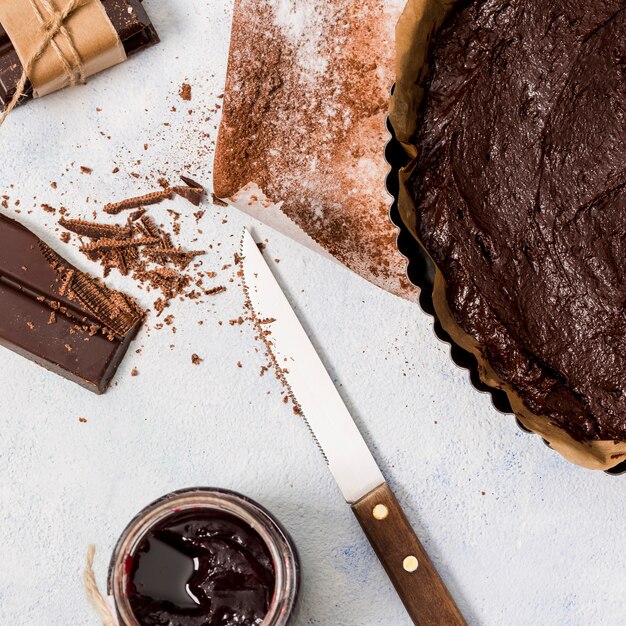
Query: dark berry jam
(201, 568)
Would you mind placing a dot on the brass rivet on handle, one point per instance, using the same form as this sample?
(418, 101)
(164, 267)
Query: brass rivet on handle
(380, 512)
(410, 564)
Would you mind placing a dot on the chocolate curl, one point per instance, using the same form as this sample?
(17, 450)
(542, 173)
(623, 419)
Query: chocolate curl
(132, 203)
(116, 311)
(93, 230)
(115, 244)
(180, 257)
(53, 26)
(192, 192)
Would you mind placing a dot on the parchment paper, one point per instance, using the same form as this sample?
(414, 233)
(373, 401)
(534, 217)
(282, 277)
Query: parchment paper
(415, 31)
(304, 126)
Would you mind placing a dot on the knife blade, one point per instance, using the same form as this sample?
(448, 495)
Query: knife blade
(355, 470)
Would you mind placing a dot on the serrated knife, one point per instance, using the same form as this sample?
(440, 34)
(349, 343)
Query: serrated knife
(360, 480)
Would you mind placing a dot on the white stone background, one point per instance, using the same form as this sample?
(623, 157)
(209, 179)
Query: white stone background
(544, 545)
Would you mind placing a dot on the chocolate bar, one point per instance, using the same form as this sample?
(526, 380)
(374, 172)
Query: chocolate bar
(58, 316)
(129, 19)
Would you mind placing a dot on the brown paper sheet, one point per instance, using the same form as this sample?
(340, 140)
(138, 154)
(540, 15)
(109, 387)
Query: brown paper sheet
(415, 31)
(89, 29)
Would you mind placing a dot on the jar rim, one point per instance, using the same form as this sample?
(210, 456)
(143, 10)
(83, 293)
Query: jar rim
(278, 542)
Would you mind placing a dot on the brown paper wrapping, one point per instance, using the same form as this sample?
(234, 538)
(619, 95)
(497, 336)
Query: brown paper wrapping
(414, 33)
(88, 28)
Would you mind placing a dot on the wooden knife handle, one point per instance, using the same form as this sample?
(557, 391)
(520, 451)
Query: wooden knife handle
(411, 571)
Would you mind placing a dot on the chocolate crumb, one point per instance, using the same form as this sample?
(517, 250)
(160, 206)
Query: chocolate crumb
(134, 372)
(196, 360)
(85, 170)
(82, 420)
(185, 92)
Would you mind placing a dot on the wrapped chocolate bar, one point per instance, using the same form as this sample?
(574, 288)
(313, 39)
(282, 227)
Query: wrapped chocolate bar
(46, 45)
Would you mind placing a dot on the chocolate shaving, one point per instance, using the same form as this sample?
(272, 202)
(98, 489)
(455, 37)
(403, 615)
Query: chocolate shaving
(183, 257)
(92, 230)
(67, 280)
(135, 215)
(140, 228)
(119, 259)
(133, 246)
(151, 228)
(167, 240)
(114, 244)
(192, 192)
(139, 201)
(169, 281)
(110, 307)
(51, 256)
(173, 252)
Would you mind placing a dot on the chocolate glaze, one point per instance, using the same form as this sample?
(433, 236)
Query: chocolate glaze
(520, 189)
(201, 568)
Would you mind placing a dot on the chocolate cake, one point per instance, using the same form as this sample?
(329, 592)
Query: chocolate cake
(519, 197)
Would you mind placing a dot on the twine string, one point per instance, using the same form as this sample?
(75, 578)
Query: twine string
(93, 593)
(53, 25)
(71, 69)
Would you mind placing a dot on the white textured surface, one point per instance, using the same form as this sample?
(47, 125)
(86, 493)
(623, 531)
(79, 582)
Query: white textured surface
(542, 546)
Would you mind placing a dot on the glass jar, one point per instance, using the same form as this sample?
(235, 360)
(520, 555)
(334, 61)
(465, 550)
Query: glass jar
(283, 606)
